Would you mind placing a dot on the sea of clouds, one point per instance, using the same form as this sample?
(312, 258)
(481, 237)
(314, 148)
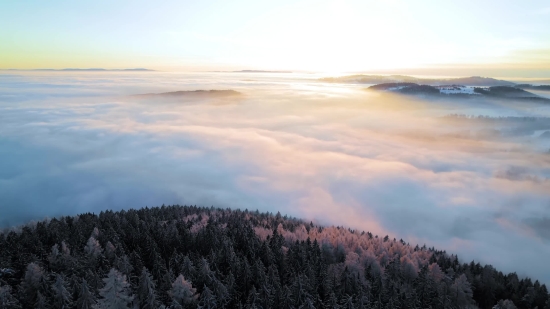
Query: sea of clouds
(332, 153)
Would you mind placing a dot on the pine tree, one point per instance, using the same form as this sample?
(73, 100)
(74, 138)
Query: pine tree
(115, 294)
(41, 302)
(461, 291)
(146, 292)
(308, 304)
(53, 258)
(110, 251)
(286, 270)
(348, 303)
(93, 248)
(221, 292)
(7, 300)
(253, 300)
(182, 292)
(505, 304)
(188, 269)
(61, 297)
(66, 258)
(86, 300)
(31, 284)
(175, 305)
(332, 302)
(123, 265)
(207, 299)
(287, 301)
(266, 295)
(300, 290)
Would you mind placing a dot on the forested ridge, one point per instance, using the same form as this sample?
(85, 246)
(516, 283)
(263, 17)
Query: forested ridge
(193, 257)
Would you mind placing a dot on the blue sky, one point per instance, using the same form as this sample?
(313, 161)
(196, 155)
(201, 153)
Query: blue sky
(495, 37)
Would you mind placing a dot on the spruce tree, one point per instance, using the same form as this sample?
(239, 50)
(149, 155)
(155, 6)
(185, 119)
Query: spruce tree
(61, 297)
(116, 292)
(86, 299)
(253, 300)
(146, 292)
(7, 300)
(183, 292)
(207, 299)
(41, 302)
(31, 284)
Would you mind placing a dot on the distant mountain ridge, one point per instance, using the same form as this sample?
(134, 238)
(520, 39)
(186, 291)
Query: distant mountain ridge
(381, 79)
(502, 92)
(253, 71)
(261, 71)
(88, 70)
(190, 93)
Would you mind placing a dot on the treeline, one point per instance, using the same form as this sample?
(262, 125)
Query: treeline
(497, 118)
(534, 87)
(192, 257)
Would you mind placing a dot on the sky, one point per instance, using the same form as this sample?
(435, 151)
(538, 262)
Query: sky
(73, 143)
(428, 37)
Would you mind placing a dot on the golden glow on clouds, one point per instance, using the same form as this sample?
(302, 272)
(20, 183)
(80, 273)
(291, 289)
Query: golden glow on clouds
(331, 152)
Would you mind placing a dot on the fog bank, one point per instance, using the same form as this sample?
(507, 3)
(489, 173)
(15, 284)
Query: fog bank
(426, 171)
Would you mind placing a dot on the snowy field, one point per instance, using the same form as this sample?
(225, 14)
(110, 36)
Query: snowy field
(457, 90)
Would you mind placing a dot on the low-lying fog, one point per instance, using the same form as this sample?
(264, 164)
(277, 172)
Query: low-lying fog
(429, 172)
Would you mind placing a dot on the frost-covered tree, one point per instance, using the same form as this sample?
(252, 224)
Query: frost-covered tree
(65, 256)
(116, 292)
(7, 300)
(110, 250)
(95, 233)
(332, 302)
(123, 264)
(220, 292)
(65, 250)
(54, 255)
(207, 299)
(182, 292)
(86, 299)
(31, 283)
(187, 268)
(461, 291)
(505, 304)
(290, 264)
(146, 292)
(93, 248)
(61, 297)
(300, 290)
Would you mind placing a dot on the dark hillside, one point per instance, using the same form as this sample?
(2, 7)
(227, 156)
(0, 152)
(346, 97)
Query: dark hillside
(189, 257)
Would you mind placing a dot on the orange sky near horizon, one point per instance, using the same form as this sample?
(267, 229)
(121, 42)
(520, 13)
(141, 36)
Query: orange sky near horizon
(493, 38)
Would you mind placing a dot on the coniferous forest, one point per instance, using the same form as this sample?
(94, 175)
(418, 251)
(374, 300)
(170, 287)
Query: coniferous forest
(193, 257)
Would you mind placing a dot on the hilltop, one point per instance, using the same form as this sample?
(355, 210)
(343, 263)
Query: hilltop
(381, 79)
(187, 256)
(458, 91)
(190, 93)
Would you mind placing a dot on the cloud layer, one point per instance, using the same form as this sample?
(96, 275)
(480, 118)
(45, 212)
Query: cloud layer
(411, 168)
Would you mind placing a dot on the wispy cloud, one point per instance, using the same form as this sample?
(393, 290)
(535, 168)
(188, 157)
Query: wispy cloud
(335, 154)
